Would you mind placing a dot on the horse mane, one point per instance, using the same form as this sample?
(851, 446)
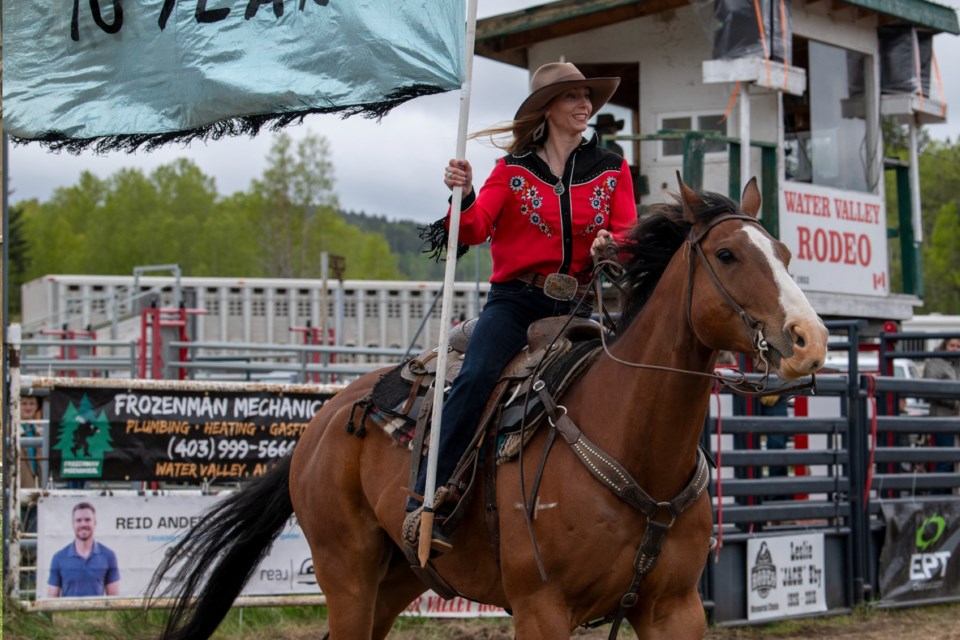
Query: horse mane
(652, 243)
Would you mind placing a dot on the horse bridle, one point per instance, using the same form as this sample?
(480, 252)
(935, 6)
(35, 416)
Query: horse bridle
(740, 384)
(754, 327)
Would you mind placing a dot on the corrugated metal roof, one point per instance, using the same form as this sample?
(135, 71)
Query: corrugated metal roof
(506, 37)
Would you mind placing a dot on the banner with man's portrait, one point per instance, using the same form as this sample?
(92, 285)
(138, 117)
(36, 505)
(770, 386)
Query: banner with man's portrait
(136, 531)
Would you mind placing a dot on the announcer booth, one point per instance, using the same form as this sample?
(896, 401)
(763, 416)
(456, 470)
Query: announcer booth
(793, 92)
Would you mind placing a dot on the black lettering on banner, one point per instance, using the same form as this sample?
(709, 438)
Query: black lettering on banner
(202, 14)
(97, 18)
(254, 5)
(322, 3)
(205, 15)
(165, 12)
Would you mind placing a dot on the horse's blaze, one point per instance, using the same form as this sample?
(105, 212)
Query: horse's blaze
(801, 325)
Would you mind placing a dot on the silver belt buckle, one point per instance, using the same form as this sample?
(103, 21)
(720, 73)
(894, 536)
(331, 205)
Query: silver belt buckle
(560, 286)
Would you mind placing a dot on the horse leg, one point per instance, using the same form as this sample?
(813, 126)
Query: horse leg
(349, 574)
(541, 618)
(366, 588)
(397, 590)
(680, 617)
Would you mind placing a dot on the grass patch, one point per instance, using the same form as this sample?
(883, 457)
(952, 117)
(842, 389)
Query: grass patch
(252, 622)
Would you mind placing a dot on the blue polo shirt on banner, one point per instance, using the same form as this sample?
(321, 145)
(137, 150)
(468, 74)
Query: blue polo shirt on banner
(78, 576)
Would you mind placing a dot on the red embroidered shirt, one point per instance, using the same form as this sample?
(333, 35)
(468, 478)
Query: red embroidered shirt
(522, 208)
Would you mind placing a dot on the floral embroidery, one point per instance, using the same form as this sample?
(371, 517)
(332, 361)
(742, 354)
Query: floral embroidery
(530, 203)
(600, 202)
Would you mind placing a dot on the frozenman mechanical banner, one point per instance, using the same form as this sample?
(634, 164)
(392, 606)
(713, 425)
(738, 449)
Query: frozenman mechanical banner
(920, 559)
(182, 436)
(122, 74)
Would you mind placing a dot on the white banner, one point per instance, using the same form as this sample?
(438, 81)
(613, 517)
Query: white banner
(838, 239)
(785, 576)
(138, 530)
(430, 605)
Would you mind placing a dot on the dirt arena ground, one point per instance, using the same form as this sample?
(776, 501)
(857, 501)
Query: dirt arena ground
(934, 623)
(930, 623)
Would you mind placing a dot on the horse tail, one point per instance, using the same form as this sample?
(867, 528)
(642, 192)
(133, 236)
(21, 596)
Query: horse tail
(208, 568)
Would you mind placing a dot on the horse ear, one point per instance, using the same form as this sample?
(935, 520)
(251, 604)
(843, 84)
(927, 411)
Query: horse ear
(689, 199)
(750, 201)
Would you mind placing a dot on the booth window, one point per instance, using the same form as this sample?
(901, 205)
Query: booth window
(692, 122)
(825, 132)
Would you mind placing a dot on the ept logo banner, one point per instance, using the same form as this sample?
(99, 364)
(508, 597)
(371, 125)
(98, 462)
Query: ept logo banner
(919, 557)
(932, 564)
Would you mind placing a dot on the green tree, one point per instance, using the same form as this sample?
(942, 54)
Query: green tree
(18, 248)
(940, 191)
(942, 261)
(296, 217)
(57, 229)
(296, 190)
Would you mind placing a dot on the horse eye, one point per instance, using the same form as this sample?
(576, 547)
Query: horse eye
(726, 256)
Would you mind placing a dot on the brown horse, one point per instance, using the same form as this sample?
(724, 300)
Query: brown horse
(700, 277)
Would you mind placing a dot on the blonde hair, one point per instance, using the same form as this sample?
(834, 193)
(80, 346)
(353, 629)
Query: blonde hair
(516, 136)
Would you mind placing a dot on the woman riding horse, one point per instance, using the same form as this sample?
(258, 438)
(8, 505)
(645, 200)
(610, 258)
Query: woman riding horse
(546, 203)
(701, 275)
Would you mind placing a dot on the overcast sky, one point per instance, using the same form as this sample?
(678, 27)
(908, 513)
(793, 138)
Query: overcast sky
(393, 167)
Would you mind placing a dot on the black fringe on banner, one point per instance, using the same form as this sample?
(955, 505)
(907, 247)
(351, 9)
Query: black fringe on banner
(435, 240)
(242, 125)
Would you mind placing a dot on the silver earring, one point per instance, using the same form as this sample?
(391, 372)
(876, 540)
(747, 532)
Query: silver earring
(539, 132)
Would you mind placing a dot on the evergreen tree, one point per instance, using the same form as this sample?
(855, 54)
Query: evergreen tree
(18, 248)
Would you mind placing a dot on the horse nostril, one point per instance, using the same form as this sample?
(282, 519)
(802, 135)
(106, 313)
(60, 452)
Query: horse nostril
(801, 342)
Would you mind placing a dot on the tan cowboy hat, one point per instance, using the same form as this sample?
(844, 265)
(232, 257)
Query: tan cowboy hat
(554, 78)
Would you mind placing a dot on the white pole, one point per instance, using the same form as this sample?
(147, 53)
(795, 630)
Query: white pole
(745, 135)
(11, 517)
(915, 183)
(426, 523)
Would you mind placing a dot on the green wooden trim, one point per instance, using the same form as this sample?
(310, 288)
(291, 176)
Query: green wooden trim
(919, 12)
(540, 16)
(680, 134)
(910, 255)
(733, 161)
(693, 151)
(770, 191)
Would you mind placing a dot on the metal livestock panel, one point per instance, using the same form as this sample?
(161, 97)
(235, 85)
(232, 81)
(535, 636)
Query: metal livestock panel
(362, 313)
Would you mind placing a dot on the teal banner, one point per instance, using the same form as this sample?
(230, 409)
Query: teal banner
(128, 73)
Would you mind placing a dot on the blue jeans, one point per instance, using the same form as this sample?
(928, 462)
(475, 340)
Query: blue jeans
(501, 332)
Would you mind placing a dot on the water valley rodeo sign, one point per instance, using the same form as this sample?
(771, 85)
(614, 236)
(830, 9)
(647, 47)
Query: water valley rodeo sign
(838, 239)
(180, 436)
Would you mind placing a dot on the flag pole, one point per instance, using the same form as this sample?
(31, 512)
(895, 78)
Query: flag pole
(453, 237)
